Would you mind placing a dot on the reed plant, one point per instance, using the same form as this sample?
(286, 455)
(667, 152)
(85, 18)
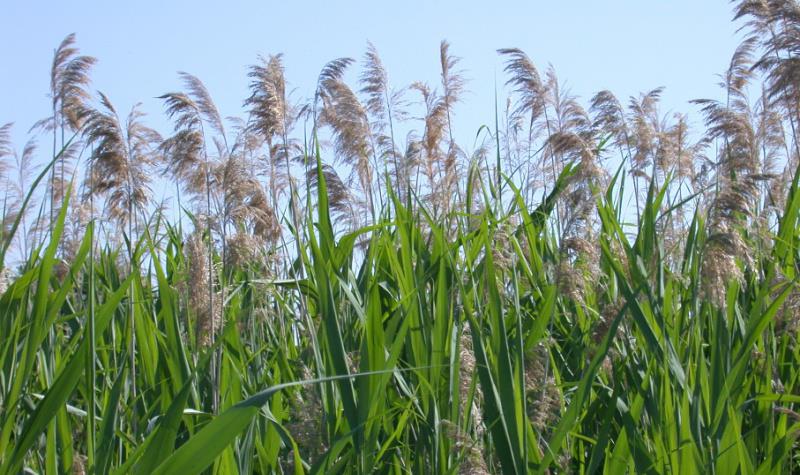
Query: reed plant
(592, 289)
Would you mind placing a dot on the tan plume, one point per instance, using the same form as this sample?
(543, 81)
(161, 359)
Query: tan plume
(122, 159)
(526, 83)
(6, 150)
(347, 117)
(69, 79)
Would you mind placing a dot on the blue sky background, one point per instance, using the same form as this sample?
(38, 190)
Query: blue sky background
(627, 46)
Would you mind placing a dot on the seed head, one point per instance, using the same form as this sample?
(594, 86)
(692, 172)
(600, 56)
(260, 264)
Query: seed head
(204, 300)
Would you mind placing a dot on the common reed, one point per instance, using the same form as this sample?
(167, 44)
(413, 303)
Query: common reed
(596, 286)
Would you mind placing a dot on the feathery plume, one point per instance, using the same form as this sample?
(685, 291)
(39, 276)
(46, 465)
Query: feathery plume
(200, 278)
(267, 104)
(526, 83)
(609, 117)
(203, 102)
(439, 165)
(676, 152)
(122, 159)
(244, 250)
(332, 72)
(6, 151)
(347, 117)
(466, 444)
(643, 117)
(469, 451)
(245, 202)
(543, 397)
(452, 88)
(69, 79)
(19, 187)
(375, 84)
(5, 279)
(186, 153)
(345, 206)
(384, 106)
(452, 79)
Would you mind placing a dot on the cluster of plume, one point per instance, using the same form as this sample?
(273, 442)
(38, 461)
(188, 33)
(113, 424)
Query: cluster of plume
(246, 176)
(245, 183)
(242, 175)
(752, 145)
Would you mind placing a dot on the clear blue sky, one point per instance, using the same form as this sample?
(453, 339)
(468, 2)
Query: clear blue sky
(627, 46)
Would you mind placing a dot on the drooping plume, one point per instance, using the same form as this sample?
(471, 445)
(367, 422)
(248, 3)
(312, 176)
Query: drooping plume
(186, 151)
(347, 118)
(122, 159)
(69, 81)
(384, 107)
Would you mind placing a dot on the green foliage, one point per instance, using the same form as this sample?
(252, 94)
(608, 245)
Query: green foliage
(639, 373)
